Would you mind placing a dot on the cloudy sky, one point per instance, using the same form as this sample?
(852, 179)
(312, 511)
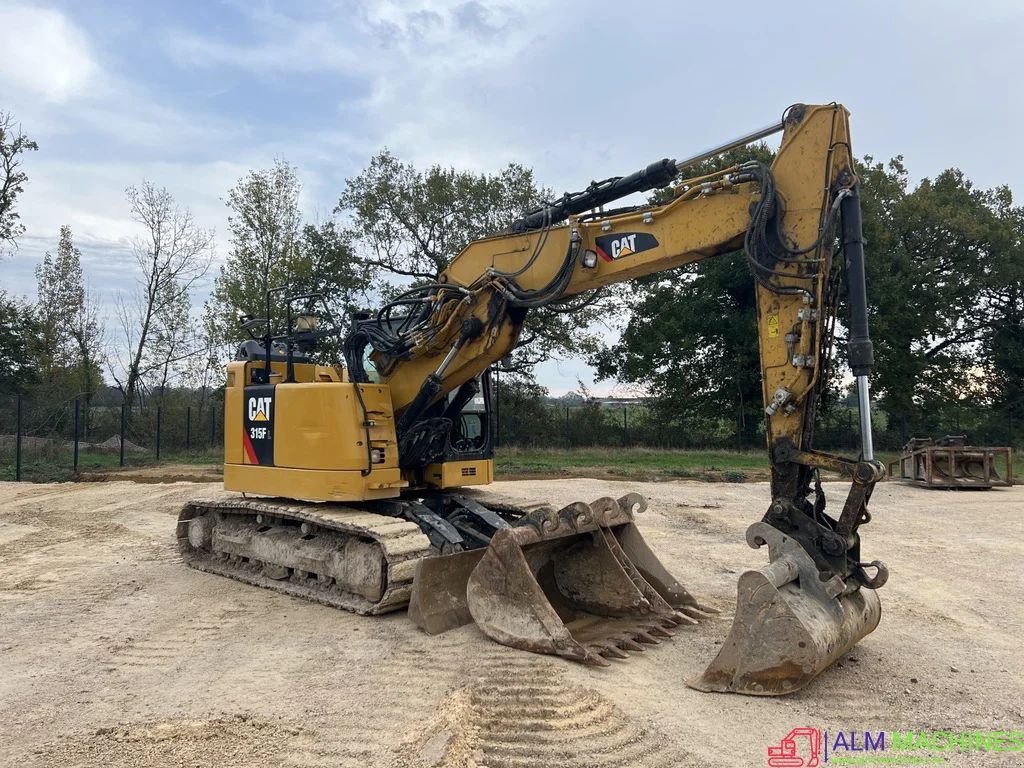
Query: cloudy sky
(193, 94)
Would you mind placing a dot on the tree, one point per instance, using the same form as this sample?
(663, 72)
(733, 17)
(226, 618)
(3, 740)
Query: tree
(408, 224)
(1002, 343)
(173, 341)
(930, 255)
(271, 248)
(172, 256)
(69, 341)
(523, 417)
(61, 300)
(691, 342)
(691, 338)
(18, 336)
(13, 145)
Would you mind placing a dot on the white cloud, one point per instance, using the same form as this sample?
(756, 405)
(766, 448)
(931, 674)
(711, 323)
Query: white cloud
(427, 71)
(44, 53)
(575, 90)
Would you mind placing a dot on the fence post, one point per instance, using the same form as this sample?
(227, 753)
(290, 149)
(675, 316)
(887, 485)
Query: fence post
(213, 426)
(77, 426)
(17, 443)
(188, 429)
(625, 425)
(159, 414)
(123, 415)
(568, 441)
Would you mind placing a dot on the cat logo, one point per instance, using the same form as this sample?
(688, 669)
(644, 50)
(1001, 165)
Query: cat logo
(624, 246)
(259, 408)
(612, 247)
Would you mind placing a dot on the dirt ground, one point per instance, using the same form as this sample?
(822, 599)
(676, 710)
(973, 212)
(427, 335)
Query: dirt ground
(113, 653)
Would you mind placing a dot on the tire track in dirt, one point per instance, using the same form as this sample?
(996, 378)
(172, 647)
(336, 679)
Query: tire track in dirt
(516, 710)
(533, 718)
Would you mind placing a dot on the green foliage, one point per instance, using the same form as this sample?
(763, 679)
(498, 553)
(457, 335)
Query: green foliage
(411, 223)
(692, 343)
(523, 417)
(13, 145)
(68, 347)
(945, 284)
(270, 247)
(19, 334)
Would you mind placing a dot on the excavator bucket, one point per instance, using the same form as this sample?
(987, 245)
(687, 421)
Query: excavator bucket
(580, 583)
(789, 625)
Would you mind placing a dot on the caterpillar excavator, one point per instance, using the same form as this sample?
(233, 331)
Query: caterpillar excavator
(352, 482)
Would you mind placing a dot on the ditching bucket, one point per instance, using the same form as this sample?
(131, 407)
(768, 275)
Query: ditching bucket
(789, 625)
(580, 583)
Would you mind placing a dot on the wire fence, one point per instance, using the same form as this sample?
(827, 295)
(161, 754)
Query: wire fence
(579, 425)
(44, 441)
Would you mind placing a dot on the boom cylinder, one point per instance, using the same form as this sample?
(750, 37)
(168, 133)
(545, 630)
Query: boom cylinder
(655, 175)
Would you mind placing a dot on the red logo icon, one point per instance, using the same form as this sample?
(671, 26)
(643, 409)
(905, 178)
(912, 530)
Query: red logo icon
(789, 753)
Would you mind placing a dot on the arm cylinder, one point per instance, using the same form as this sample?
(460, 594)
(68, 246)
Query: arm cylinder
(861, 351)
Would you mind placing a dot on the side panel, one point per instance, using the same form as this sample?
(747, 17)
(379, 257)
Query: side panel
(322, 426)
(233, 413)
(308, 439)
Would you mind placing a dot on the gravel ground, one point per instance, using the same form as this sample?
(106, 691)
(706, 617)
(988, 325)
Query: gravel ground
(113, 653)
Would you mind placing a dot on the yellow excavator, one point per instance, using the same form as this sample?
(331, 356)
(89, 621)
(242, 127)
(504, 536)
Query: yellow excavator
(353, 478)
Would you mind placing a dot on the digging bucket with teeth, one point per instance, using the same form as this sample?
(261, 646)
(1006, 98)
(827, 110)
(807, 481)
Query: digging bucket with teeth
(580, 583)
(789, 624)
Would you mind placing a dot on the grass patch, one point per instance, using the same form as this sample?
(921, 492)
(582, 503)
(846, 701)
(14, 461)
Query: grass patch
(57, 466)
(633, 463)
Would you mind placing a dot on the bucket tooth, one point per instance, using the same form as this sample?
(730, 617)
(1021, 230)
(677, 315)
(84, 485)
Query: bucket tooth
(609, 650)
(696, 614)
(629, 644)
(789, 625)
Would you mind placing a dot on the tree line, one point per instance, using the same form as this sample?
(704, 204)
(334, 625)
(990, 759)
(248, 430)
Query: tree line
(945, 278)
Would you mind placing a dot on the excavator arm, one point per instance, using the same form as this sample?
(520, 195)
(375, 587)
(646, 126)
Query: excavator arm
(784, 219)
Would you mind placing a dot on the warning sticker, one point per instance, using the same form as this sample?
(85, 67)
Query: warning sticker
(773, 325)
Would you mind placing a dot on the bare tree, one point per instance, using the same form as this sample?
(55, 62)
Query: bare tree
(13, 144)
(172, 340)
(173, 255)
